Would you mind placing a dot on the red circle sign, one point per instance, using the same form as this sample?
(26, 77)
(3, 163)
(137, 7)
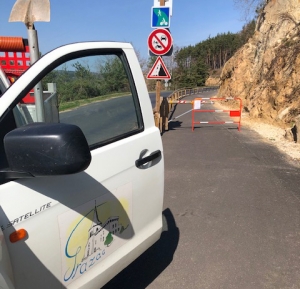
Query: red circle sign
(160, 41)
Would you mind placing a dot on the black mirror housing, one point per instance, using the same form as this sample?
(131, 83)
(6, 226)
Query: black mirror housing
(47, 149)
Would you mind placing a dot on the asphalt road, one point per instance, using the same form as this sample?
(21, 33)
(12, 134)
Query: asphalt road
(231, 213)
(97, 125)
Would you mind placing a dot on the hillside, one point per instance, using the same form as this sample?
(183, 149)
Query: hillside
(265, 72)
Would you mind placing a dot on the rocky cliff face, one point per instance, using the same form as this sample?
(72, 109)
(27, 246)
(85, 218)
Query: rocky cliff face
(265, 72)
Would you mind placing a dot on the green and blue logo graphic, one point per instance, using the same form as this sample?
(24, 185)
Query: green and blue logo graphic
(160, 17)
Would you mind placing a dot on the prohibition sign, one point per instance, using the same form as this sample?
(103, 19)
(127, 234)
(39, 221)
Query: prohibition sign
(160, 41)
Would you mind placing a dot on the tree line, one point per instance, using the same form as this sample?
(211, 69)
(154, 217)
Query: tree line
(189, 67)
(78, 81)
(193, 64)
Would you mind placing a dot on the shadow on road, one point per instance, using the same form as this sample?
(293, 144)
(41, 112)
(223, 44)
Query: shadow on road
(144, 270)
(174, 124)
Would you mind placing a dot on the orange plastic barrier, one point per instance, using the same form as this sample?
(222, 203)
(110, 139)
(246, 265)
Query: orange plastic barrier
(12, 44)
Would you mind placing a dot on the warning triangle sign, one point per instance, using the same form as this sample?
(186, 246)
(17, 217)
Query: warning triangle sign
(159, 70)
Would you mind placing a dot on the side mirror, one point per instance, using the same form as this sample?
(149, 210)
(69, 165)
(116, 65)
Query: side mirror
(47, 149)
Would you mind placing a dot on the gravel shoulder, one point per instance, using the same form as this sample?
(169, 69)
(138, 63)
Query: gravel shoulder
(275, 135)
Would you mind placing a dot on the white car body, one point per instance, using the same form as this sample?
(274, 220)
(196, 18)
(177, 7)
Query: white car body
(4, 82)
(83, 228)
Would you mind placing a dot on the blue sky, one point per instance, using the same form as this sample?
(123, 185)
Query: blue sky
(125, 20)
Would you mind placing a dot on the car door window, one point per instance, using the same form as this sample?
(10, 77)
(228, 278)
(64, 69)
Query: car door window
(95, 92)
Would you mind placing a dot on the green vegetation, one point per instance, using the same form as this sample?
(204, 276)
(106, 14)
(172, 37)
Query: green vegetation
(80, 85)
(77, 84)
(73, 104)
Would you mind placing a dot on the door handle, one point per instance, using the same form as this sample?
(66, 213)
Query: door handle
(148, 159)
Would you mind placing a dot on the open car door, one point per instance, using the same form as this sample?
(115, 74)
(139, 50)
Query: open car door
(67, 224)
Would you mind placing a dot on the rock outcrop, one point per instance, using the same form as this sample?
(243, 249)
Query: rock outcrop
(212, 81)
(265, 72)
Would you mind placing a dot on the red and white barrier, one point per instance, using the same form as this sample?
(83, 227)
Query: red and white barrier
(197, 103)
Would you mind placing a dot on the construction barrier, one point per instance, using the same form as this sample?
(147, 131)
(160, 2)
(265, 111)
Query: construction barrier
(15, 59)
(237, 113)
(161, 116)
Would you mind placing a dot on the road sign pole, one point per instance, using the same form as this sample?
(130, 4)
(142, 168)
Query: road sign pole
(28, 12)
(158, 89)
(34, 56)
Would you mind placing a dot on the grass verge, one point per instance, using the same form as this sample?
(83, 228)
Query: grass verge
(80, 102)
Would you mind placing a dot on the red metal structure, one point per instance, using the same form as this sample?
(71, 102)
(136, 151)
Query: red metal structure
(15, 59)
(232, 113)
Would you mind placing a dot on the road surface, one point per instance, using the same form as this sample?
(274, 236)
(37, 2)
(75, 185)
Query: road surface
(231, 213)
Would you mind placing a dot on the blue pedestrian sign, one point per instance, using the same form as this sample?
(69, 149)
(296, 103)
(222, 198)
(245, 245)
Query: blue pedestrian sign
(160, 17)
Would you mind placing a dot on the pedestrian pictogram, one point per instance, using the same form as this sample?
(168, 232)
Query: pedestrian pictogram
(159, 70)
(160, 41)
(160, 17)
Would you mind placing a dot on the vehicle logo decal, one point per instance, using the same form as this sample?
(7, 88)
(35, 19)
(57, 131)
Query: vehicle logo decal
(92, 231)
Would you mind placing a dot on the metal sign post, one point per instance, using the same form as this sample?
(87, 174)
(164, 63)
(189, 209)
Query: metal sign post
(28, 12)
(168, 3)
(158, 90)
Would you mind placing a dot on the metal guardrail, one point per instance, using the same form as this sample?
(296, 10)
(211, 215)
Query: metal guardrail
(166, 104)
(180, 93)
